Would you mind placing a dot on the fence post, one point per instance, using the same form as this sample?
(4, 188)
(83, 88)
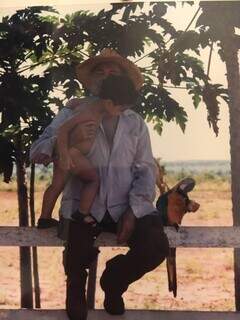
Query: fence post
(25, 253)
(34, 249)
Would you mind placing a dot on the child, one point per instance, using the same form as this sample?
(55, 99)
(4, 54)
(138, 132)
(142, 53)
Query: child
(72, 147)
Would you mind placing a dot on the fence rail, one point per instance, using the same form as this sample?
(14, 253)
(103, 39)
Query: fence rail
(193, 237)
(188, 237)
(130, 314)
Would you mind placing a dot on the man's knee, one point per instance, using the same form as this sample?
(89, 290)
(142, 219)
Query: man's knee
(158, 245)
(151, 242)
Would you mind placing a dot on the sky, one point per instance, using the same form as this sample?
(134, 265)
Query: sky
(198, 142)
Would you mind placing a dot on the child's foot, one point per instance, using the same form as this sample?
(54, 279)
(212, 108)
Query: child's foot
(44, 223)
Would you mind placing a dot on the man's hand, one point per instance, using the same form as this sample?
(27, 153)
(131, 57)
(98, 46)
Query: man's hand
(126, 226)
(42, 158)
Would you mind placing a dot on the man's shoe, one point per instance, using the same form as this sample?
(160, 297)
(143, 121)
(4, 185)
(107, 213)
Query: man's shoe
(76, 303)
(44, 223)
(113, 302)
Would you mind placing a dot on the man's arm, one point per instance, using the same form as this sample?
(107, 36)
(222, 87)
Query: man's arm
(42, 149)
(142, 193)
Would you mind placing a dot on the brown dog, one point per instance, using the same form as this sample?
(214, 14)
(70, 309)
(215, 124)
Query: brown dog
(172, 206)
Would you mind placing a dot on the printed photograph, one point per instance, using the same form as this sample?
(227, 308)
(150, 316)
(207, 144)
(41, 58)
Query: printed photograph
(119, 159)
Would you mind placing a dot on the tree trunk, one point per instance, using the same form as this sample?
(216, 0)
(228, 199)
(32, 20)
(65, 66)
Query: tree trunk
(34, 249)
(25, 256)
(231, 58)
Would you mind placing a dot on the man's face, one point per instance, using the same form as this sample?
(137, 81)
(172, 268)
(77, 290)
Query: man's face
(102, 71)
(105, 69)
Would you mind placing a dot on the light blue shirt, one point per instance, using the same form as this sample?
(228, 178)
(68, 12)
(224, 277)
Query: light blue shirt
(127, 172)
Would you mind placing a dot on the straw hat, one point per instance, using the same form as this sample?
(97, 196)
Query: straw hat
(84, 69)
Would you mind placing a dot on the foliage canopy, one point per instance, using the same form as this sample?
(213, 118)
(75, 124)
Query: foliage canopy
(39, 51)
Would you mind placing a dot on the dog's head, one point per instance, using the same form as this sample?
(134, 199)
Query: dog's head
(175, 203)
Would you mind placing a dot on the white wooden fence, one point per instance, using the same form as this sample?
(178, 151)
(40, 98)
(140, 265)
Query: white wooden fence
(194, 237)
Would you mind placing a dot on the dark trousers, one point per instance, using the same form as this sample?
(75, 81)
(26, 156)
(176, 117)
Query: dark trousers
(148, 247)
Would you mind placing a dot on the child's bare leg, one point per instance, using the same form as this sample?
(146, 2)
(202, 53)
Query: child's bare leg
(89, 176)
(53, 191)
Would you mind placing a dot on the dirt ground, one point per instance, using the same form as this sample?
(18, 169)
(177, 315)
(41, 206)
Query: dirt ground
(205, 276)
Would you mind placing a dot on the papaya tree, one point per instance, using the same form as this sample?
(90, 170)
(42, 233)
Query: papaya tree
(130, 28)
(24, 100)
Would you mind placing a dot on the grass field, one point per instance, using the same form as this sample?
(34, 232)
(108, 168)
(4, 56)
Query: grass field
(205, 276)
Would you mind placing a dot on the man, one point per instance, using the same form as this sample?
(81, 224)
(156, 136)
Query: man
(122, 154)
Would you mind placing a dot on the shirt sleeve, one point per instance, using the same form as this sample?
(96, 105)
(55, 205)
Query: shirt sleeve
(142, 193)
(45, 143)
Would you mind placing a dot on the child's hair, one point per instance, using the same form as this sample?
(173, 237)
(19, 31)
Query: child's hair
(120, 89)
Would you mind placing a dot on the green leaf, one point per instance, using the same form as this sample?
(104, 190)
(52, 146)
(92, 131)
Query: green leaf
(181, 118)
(196, 100)
(158, 127)
(126, 13)
(160, 9)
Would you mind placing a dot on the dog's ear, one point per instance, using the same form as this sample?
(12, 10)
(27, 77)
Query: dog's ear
(186, 185)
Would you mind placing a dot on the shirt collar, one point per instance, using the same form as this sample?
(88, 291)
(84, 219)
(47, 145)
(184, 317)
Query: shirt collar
(128, 112)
